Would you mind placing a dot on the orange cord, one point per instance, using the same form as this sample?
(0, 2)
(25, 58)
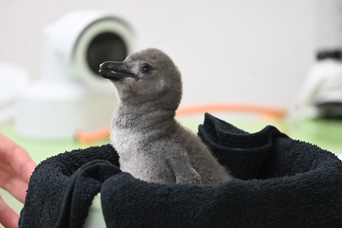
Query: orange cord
(88, 137)
(93, 136)
(199, 109)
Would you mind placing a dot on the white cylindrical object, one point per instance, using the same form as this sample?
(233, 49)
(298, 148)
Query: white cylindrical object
(71, 96)
(67, 41)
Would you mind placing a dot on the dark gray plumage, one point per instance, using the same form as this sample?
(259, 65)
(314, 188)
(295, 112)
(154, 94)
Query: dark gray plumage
(151, 144)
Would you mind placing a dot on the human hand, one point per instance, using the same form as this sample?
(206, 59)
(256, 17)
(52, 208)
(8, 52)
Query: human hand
(16, 167)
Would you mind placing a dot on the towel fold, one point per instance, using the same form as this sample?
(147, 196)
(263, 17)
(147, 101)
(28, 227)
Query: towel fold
(62, 188)
(280, 182)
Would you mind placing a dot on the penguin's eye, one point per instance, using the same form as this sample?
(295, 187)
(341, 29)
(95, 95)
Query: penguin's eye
(145, 68)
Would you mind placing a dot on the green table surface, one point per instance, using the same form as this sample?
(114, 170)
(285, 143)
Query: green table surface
(326, 134)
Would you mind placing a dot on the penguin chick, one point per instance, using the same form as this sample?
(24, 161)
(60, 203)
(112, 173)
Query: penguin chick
(151, 144)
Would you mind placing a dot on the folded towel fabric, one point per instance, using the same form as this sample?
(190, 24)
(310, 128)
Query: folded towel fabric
(280, 182)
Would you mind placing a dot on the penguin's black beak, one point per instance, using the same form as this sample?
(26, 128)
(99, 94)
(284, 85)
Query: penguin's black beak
(115, 70)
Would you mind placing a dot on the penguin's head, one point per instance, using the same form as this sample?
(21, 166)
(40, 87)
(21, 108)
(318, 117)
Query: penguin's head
(146, 76)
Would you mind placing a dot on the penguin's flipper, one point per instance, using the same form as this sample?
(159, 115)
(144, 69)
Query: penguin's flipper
(183, 171)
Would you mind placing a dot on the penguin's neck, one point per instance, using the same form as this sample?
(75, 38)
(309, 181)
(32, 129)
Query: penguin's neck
(145, 115)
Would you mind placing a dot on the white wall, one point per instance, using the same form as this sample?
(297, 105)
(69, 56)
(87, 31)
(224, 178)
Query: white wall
(236, 51)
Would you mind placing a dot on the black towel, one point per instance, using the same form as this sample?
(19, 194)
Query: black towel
(280, 182)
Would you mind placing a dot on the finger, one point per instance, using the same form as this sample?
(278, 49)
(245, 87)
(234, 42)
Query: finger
(12, 183)
(8, 217)
(16, 157)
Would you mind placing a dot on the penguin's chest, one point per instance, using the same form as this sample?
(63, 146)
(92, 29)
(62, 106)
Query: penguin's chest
(140, 159)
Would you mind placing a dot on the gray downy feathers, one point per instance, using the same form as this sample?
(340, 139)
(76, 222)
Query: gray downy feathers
(151, 144)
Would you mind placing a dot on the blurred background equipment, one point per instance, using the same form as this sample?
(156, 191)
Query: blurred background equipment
(70, 96)
(321, 93)
(13, 80)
